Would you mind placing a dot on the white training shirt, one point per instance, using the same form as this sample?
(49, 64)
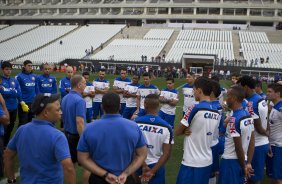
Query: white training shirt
(144, 91)
(169, 95)
(202, 119)
(241, 124)
(100, 84)
(275, 119)
(121, 84)
(156, 133)
(132, 89)
(88, 100)
(189, 98)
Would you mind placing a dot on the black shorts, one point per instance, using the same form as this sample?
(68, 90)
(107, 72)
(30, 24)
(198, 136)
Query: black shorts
(94, 179)
(73, 142)
(1, 157)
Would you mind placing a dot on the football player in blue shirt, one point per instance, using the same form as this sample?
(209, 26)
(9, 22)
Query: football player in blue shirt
(258, 89)
(11, 92)
(29, 88)
(64, 84)
(46, 82)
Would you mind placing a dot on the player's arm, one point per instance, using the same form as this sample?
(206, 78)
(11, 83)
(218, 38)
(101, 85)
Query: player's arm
(259, 128)
(163, 159)
(139, 158)
(54, 86)
(62, 87)
(79, 124)
(69, 171)
(138, 101)
(183, 127)
(174, 101)
(239, 151)
(9, 158)
(5, 116)
(251, 148)
(86, 161)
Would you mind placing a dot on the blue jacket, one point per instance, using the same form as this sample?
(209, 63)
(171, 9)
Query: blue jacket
(11, 92)
(28, 86)
(47, 84)
(64, 84)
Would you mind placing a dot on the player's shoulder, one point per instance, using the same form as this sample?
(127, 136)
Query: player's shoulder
(187, 86)
(278, 106)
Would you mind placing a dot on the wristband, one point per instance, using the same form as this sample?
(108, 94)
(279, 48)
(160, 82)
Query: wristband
(105, 175)
(11, 180)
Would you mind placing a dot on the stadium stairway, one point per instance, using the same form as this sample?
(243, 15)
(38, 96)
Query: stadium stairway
(59, 38)
(170, 42)
(19, 34)
(236, 44)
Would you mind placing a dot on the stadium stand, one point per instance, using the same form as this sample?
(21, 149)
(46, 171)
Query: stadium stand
(74, 44)
(3, 26)
(31, 40)
(15, 30)
(201, 42)
(159, 34)
(258, 51)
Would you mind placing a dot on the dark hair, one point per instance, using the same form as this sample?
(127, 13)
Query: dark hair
(41, 100)
(215, 78)
(204, 84)
(238, 92)
(247, 81)
(152, 102)
(123, 69)
(170, 79)
(75, 80)
(276, 88)
(191, 73)
(85, 73)
(146, 74)
(215, 88)
(136, 74)
(111, 103)
(235, 75)
(6, 64)
(258, 83)
(26, 62)
(42, 65)
(102, 70)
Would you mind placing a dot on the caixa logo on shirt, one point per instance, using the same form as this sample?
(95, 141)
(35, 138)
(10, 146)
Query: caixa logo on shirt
(150, 146)
(30, 84)
(46, 85)
(209, 115)
(151, 129)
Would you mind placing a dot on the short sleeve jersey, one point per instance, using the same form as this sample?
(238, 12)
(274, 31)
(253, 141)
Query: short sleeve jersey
(275, 119)
(189, 98)
(240, 125)
(121, 84)
(203, 120)
(257, 108)
(132, 89)
(144, 91)
(100, 84)
(169, 95)
(156, 132)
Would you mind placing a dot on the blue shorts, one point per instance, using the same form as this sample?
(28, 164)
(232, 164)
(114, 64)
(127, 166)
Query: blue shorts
(168, 118)
(193, 175)
(122, 107)
(215, 158)
(274, 164)
(230, 172)
(89, 114)
(258, 162)
(142, 112)
(128, 112)
(221, 142)
(158, 178)
(97, 109)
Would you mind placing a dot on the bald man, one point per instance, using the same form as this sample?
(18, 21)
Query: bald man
(65, 85)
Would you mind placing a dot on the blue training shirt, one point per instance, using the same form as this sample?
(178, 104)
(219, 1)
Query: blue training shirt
(73, 105)
(2, 131)
(64, 84)
(29, 88)
(41, 148)
(111, 142)
(47, 84)
(11, 92)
